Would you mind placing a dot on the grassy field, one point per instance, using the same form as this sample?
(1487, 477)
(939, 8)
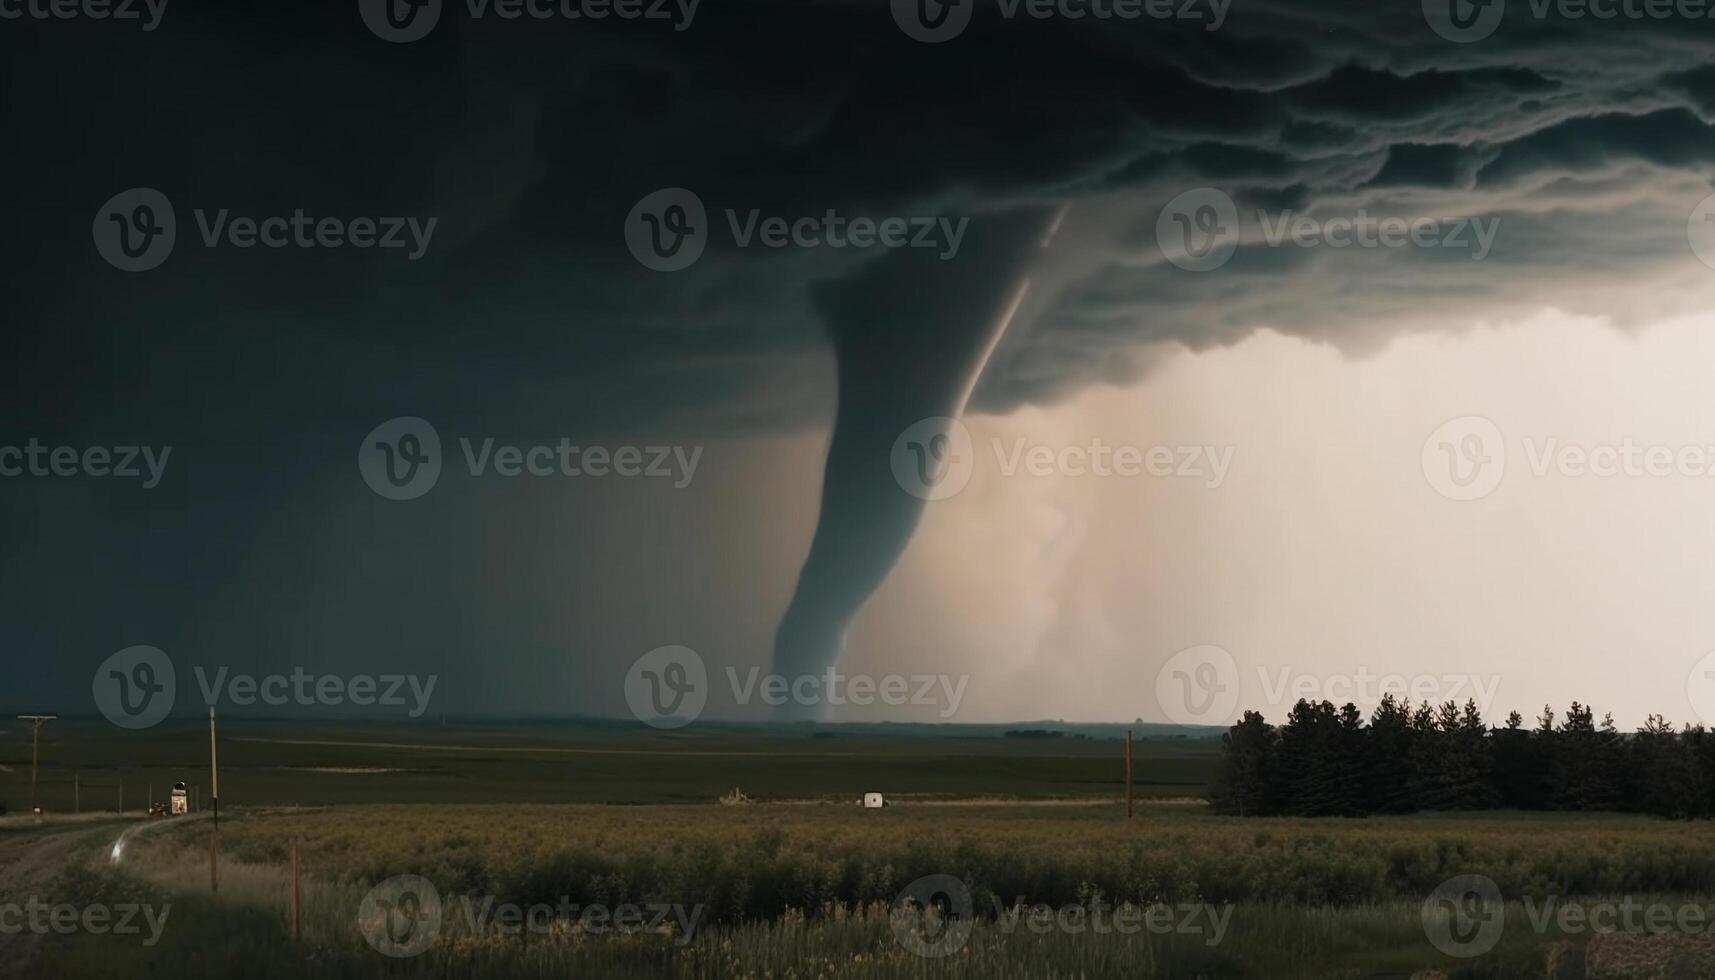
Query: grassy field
(271, 763)
(802, 890)
(800, 883)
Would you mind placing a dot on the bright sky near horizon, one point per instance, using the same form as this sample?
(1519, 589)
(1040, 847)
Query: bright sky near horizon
(1327, 562)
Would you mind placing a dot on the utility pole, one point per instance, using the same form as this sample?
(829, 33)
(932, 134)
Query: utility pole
(214, 801)
(76, 793)
(36, 723)
(1128, 774)
(297, 897)
(214, 770)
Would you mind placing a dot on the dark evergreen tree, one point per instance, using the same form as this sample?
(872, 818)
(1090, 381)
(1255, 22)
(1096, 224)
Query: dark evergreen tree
(1327, 762)
(1470, 766)
(1662, 777)
(1700, 757)
(1514, 765)
(1319, 777)
(1387, 758)
(1246, 778)
(1578, 751)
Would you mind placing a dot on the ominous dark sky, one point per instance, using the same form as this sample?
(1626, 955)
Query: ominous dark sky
(527, 319)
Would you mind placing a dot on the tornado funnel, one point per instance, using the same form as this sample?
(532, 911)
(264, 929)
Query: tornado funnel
(911, 333)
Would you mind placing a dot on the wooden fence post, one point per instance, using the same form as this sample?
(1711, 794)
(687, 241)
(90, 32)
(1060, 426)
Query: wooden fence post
(296, 921)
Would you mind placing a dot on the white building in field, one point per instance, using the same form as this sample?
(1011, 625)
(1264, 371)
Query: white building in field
(873, 801)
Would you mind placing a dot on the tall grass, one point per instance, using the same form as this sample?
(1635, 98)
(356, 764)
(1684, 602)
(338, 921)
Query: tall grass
(210, 940)
(751, 863)
(801, 891)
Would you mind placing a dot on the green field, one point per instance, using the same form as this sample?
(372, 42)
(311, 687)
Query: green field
(803, 889)
(801, 883)
(266, 763)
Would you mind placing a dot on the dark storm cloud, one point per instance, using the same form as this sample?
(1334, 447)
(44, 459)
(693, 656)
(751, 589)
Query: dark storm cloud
(531, 140)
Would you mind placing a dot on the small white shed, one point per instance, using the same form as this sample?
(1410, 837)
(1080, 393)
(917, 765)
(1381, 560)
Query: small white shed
(873, 801)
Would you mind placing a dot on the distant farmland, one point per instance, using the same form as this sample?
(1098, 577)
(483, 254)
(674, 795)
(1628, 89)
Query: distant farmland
(269, 763)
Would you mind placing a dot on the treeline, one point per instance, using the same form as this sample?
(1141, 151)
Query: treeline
(1327, 761)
